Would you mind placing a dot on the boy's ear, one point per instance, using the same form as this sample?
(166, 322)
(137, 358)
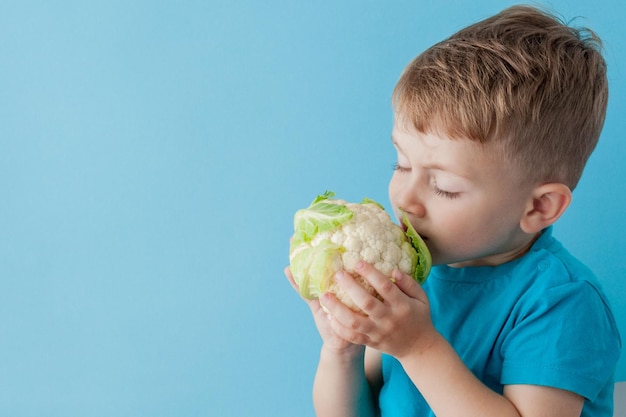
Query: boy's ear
(548, 202)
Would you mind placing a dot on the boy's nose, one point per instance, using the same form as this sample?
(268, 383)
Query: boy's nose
(416, 210)
(412, 204)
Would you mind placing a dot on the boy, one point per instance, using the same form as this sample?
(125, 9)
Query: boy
(493, 128)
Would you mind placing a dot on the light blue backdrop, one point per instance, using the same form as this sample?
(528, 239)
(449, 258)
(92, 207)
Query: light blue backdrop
(152, 155)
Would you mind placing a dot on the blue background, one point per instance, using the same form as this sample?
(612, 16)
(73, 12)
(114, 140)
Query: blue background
(152, 155)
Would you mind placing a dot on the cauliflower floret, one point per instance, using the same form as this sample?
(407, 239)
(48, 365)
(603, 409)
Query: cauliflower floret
(333, 234)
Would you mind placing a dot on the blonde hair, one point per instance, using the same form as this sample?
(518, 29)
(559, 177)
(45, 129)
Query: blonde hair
(521, 79)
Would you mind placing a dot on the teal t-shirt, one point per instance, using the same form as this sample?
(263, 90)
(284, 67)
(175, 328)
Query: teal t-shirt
(541, 319)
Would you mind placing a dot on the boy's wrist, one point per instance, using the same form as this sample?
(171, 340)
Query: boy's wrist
(344, 355)
(428, 343)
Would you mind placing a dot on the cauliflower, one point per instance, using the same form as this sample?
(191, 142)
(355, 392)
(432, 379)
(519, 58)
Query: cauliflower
(331, 235)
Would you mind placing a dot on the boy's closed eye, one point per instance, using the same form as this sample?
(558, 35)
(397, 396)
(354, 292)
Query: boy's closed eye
(445, 188)
(448, 191)
(397, 167)
(446, 194)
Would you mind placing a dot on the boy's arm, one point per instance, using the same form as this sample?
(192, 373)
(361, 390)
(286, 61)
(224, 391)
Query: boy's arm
(344, 372)
(341, 385)
(400, 325)
(451, 389)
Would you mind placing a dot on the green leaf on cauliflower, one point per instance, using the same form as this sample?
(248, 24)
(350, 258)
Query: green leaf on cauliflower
(321, 260)
(424, 260)
(370, 201)
(319, 217)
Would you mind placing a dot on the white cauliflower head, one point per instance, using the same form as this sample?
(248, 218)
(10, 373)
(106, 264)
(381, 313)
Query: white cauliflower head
(331, 235)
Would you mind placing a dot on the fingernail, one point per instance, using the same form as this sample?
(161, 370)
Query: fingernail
(324, 299)
(359, 265)
(396, 275)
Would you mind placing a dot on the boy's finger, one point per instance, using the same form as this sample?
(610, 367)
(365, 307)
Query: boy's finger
(347, 323)
(363, 299)
(408, 285)
(289, 276)
(383, 285)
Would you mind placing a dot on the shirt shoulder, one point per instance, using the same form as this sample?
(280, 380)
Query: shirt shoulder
(563, 333)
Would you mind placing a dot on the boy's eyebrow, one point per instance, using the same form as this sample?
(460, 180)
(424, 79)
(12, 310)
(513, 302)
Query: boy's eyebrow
(395, 143)
(397, 146)
(433, 165)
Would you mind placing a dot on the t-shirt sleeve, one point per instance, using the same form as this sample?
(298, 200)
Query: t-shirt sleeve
(565, 338)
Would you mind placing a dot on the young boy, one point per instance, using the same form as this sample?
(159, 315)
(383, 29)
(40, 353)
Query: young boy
(493, 128)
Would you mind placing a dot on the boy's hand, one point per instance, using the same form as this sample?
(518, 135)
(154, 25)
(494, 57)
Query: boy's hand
(331, 339)
(397, 325)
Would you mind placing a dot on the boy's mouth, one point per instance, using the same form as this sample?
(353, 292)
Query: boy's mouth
(405, 229)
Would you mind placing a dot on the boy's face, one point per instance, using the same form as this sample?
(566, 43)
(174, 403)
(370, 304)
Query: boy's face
(460, 197)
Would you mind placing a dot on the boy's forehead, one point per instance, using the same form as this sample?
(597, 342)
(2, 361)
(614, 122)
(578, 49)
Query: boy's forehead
(435, 133)
(405, 125)
(461, 156)
(438, 131)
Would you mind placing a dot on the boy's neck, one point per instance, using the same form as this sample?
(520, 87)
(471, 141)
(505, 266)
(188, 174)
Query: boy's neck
(500, 258)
